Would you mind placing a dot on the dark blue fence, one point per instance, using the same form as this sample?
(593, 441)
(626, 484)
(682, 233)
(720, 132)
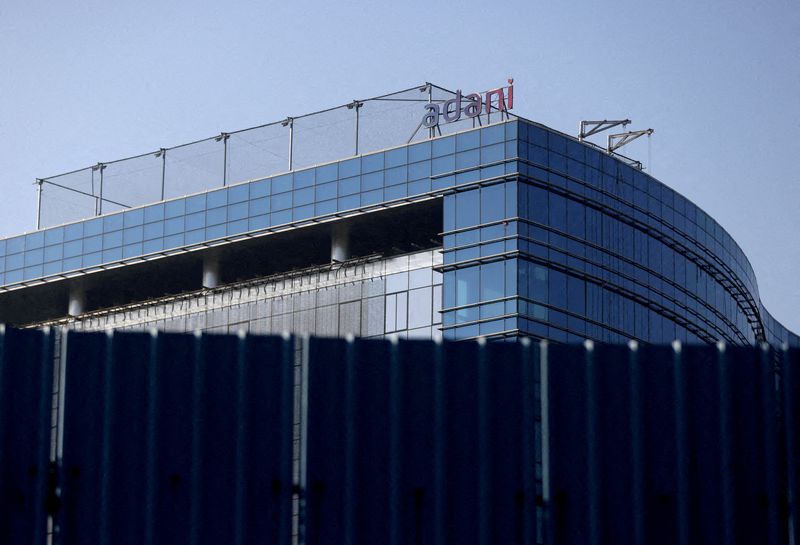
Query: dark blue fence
(224, 439)
(26, 386)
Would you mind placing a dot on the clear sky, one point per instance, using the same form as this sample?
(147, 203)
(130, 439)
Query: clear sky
(719, 81)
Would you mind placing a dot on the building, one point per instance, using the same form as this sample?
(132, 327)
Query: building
(480, 224)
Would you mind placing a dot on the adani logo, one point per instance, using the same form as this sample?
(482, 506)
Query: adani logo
(471, 105)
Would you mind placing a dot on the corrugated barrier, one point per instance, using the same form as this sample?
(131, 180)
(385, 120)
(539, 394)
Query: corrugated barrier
(174, 438)
(26, 384)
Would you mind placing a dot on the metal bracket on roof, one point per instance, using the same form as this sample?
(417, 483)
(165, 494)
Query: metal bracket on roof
(600, 126)
(616, 141)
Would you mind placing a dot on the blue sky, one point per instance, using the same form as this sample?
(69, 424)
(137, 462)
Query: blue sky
(84, 82)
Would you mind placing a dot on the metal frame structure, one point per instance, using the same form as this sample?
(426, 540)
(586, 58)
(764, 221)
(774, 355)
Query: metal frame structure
(600, 126)
(616, 141)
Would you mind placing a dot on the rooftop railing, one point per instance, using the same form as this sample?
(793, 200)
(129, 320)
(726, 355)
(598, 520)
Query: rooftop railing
(360, 127)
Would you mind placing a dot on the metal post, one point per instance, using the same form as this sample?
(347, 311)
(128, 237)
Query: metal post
(39, 183)
(225, 159)
(163, 154)
(290, 123)
(101, 167)
(357, 106)
(431, 131)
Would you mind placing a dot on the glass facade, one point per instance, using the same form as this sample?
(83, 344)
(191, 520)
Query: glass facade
(398, 296)
(543, 236)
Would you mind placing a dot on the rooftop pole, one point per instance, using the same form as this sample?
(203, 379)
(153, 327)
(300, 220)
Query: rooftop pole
(39, 183)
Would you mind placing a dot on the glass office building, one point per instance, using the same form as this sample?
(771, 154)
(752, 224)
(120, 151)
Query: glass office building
(502, 230)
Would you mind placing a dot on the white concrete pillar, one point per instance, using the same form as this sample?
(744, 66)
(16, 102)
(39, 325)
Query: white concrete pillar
(210, 271)
(340, 242)
(77, 300)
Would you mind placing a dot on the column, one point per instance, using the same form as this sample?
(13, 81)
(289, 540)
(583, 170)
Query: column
(340, 240)
(210, 271)
(77, 300)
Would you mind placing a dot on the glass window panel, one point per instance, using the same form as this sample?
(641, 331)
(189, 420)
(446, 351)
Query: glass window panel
(372, 197)
(467, 209)
(443, 182)
(443, 146)
(467, 285)
(195, 221)
(395, 192)
(132, 250)
(33, 272)
(327, 173)
(325, 191)
(34, 257)
(419, 187)
(372, 181)
(492, 280)
(492, 135)
(419, 152)
(112, 240)
(282, 217)
(442, 165)
(490, 154)
(215, 231)
(419, 170)
(282, 201)
(112, 223)
(491, 310)
(133, 217)
(349, 186)
(396, 157)
(217, 198)
(419, 307)
(111, 255)
(303, 196)
(17, 261)
(154, 213)
(557, 288)
(558, 211)
(396, 175)
(237, 211)
(468, 140)
(511, 277)
(304, 178)
(348, 203)
(325, 207)
(51, 253)
(468, 176)
(236, 227)
(303, 212)
(259, 189)
(397, 282)
(34, 240)
(391, 313)
(195, 203)
(215, 216)
(468, 159)
(372, 163)
(131, 235)
(173, 241)
(71, 249)
(152, 246)
(174, 209)
(92, 244)
(419, 278)
(492, 203)
(238, 193)
(259, 222)
(51, 236)
(258, 206)
(350, 167)
(174, 225)
(281, 184)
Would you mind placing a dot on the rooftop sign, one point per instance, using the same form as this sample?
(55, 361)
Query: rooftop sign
(471, 105)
